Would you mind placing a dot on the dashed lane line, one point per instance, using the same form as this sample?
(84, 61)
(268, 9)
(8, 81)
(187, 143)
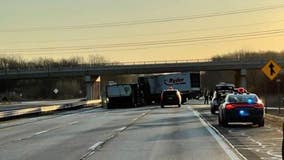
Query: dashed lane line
(74, 122)
(41, 132)
(100, 144)
(44, 131)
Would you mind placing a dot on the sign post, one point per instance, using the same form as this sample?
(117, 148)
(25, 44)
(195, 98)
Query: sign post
(271, 69)
(278, 92)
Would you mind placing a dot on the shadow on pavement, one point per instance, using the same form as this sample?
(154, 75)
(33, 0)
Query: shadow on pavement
(180, 134)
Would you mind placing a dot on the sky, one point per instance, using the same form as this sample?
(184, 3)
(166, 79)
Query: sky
(139, 30)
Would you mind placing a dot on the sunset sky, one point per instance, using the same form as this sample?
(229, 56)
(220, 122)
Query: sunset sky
(139, 30)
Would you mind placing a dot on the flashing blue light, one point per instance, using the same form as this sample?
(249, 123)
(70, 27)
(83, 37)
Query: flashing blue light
(243, 113)
(250, 101)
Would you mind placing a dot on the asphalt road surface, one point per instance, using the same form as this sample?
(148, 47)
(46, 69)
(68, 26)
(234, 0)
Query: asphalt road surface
(126, 134)
(251, 141)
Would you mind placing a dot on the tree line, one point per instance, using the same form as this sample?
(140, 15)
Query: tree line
(36, 89)
(12, 62)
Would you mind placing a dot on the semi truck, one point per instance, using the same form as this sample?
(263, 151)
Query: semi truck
(187, 83)
(124, 95)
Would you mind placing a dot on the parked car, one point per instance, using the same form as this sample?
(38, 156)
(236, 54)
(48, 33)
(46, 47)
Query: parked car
(246, 107)
(171, 97)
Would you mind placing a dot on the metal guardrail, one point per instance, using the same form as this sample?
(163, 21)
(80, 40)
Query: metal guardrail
(134, 67)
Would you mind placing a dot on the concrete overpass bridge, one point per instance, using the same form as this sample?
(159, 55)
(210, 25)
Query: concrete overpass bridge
(92, 72)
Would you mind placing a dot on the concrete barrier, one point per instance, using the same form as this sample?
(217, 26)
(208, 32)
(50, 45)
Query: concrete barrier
(45, 109)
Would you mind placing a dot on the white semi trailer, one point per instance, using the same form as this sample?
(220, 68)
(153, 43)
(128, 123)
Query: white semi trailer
(187, 83)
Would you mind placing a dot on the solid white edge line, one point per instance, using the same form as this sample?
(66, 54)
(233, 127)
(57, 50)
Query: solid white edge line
(121, 129)
(74, 122)
(38, 133)
(227, 148)
(95, 146)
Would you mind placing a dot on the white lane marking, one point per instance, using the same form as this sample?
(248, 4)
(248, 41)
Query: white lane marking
(92, 149)
(257, 142)
(121, 129)
(74, 122)
(267, 139)
(141, 115)
(144, 113)
(57, 127)
(275, 155)
(227, 147)
(135, 119)
(95, 146)
(41, 132)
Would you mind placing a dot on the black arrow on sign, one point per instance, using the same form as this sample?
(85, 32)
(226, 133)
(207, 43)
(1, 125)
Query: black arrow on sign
(271, 66)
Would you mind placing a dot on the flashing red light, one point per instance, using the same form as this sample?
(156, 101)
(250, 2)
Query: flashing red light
(259, 105)
(241, 90)
(229, 106)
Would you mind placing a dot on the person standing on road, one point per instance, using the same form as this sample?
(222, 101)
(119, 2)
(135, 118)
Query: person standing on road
(206, 96)
(211, 94)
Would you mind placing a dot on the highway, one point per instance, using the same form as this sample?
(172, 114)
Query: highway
(135, 133)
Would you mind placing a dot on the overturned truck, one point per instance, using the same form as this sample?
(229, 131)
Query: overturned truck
(124, 95)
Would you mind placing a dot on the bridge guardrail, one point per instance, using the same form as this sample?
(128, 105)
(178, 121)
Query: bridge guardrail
(85, 67)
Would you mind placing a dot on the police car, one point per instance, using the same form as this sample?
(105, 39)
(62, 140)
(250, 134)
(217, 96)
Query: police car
(241, 106)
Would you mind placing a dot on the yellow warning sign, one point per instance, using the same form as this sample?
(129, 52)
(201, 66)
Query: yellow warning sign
(271, 69)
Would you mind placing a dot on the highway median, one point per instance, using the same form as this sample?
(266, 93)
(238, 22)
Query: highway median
(43, 109)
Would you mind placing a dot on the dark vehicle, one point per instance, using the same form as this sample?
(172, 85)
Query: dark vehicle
(124, 95)
(170, 97)
(221, 90)
(245, 107)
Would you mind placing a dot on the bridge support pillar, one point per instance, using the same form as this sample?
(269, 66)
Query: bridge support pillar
(92, 87)
(241, 78)
(103, 90)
